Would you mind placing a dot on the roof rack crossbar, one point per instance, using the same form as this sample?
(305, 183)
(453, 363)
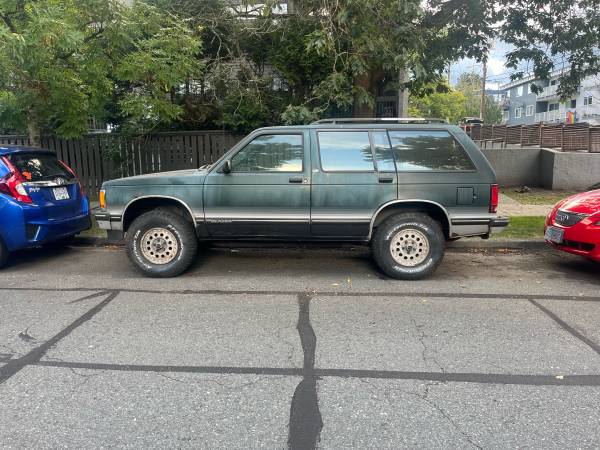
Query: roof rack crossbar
(381, 120)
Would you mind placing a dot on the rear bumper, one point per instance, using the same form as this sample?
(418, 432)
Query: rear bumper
(477, 226)
(53, 230)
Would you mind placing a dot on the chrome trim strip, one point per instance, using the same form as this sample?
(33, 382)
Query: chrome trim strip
(394, 202)
(158, 196)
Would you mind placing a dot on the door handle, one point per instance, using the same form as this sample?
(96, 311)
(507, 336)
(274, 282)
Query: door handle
(295, 179)
(386, 179)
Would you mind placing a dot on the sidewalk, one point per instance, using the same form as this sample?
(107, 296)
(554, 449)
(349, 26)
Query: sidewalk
(511, 207)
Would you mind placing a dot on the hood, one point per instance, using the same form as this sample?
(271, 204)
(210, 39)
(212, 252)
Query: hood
(176, 177)
(586, 203)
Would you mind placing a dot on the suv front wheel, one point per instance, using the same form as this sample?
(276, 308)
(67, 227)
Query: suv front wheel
(161, 243)
(408, 246)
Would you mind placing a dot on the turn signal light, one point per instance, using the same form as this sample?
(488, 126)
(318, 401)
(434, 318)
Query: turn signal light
(102, 199)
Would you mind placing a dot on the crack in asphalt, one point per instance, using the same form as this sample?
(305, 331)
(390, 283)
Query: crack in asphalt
(306, 421)
(421, 336)
(13, 366)
(441, 411)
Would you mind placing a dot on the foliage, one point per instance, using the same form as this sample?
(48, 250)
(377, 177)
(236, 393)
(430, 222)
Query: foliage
(62, 62)
(469, 84)
(440, 101)
(551, 36)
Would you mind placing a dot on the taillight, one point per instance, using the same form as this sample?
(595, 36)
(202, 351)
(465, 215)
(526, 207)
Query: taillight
(12, 183)
(72, 172)
(494, 198)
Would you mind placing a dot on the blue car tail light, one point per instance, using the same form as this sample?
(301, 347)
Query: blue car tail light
(11, 184)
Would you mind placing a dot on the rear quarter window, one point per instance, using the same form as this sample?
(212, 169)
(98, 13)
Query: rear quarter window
(39, 167)
(428, 150)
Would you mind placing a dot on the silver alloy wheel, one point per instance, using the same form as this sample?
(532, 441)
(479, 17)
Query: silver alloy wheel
(409, 247)
(159, 246)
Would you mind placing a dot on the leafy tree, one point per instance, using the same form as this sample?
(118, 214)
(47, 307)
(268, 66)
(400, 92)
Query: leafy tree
(438, 100)
(549, 36)
(63, 62)
(367, 40)
(469, 85)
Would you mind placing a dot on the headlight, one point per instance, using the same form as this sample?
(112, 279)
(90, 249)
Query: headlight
(102, 199)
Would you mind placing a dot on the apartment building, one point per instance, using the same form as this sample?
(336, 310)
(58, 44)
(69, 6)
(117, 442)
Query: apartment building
(521, 106)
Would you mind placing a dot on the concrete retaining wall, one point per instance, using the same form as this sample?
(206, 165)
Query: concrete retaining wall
(544, 167)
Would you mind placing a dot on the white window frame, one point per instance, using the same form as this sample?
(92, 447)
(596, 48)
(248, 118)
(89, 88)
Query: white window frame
(588, 100)
(529, 111)
(520, 91)
(506, 114)
(518, 112)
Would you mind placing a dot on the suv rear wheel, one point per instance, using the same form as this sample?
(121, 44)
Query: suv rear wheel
(408, 246)
(161, 243)
(3, 254)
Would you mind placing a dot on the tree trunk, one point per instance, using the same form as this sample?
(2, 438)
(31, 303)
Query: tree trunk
(361, 109)
(33, 130)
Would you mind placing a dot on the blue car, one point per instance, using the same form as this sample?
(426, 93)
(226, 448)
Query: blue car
(41, 200)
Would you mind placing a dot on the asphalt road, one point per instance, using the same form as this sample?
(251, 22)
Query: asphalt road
(299, 348)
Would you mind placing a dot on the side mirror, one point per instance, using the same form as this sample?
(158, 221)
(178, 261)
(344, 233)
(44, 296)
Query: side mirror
(226, 168)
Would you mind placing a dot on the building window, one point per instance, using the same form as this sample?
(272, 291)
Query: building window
(574, 103)
(553, 107)
(587, 101)
(518, 113)
(506, 115)
(552, 82)
(519, 91)
(529, 111)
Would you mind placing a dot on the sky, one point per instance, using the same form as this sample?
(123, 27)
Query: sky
(497, 71)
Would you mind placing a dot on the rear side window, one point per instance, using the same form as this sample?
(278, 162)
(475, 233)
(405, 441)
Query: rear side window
(346, 151)
(270, 153)
(39, 167)
(428, 150)
(383, 152)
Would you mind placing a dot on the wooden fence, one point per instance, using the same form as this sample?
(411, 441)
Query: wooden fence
(100, 157)
(575, 137)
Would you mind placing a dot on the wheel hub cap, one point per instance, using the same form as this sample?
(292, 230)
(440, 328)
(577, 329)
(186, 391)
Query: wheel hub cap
(409, 247)
(159, 246)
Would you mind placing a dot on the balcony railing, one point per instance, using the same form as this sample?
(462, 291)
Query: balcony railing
(558, 115)
(548, 92)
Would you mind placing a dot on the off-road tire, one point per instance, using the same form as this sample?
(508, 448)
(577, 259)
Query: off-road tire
(3, 254)
(180, 229)
(427, 235)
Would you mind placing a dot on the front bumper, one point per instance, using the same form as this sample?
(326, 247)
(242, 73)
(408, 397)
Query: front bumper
(582, 239)
(107, 222)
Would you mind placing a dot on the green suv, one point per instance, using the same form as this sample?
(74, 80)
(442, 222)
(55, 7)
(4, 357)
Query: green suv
(406, 186)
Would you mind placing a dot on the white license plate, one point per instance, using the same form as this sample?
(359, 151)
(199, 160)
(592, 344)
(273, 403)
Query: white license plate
(555, 235)
(61, 193)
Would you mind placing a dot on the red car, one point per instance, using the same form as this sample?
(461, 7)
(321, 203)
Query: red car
(573, 225)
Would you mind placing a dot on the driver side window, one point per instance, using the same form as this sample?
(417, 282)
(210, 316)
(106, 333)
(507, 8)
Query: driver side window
(270, 153)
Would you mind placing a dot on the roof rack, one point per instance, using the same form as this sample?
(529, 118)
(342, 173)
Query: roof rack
(380, 120)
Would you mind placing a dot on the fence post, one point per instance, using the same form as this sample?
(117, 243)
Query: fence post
(562, 137)
(521, 137)
(541, 135)
(589, 138)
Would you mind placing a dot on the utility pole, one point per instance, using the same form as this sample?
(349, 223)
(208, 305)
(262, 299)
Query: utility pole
(484, 76)
(402, 94)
